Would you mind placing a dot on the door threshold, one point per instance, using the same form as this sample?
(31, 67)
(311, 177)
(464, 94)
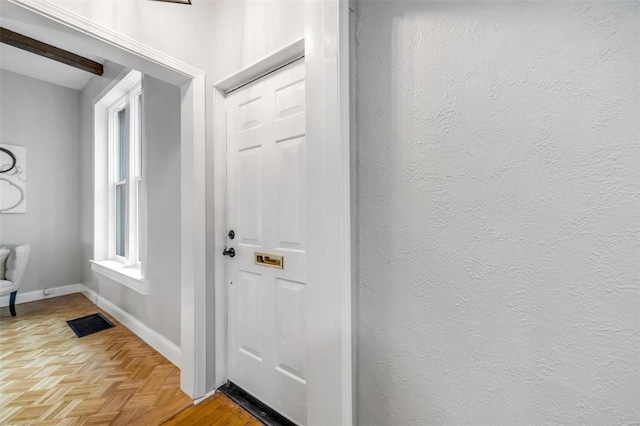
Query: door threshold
(257, 408)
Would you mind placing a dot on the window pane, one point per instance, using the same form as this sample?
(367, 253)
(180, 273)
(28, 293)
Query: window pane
(120, 161)
(138, 218)
(139, 135)
(120, 219)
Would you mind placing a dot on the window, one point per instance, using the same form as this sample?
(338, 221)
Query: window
(119, 184)
(125, 179)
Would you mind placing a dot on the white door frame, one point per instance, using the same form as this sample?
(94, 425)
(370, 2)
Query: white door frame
(329, 178)
(250, 73)
(125, 51)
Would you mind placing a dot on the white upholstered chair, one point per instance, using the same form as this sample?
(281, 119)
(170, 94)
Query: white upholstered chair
(15, 267)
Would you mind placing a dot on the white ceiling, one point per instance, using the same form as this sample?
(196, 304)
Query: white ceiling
(36, 66)
(26, 63)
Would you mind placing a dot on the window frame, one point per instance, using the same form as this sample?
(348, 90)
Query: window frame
(133, 180)
(137, 171)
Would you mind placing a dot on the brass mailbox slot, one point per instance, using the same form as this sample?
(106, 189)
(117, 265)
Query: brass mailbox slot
(271, 260)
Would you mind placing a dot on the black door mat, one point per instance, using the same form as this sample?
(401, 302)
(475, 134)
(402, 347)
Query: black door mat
(258, 409)
(90, 324)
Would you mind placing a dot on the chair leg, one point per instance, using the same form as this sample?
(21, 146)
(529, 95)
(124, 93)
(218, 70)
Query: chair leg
(12, 303)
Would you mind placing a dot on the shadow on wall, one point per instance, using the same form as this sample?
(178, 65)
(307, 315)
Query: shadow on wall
(497, 180)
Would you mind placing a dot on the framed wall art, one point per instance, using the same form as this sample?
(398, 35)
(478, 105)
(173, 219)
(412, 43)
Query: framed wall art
(13, 178)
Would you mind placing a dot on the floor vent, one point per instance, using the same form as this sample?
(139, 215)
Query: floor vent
(90, 324)
(258, 409)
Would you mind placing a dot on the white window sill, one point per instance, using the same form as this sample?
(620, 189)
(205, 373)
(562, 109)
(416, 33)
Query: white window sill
(116, 271)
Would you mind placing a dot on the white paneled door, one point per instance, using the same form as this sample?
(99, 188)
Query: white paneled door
(267, 323)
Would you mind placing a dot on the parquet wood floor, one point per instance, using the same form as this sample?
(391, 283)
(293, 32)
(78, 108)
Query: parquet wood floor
(215, 411)
(48, 376)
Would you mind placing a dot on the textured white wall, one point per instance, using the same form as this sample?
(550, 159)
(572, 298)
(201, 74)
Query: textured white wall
(44, 117)
(498, 213)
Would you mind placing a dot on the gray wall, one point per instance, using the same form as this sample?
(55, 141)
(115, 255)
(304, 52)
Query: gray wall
(498, 213)
(90, 94)
(160, 309)
(44, 117)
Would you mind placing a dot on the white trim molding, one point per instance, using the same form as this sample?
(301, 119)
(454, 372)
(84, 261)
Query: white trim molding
(164, 346)
(193, 264)
(32, 296)
(220, 232)
(259, 68)
(275, 60)
(101, 33)
(118, 272)
(204, 398)
(329, 241)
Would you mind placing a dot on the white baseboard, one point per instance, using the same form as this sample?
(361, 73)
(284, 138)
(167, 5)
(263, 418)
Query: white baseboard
(207, 395)
(168, 349)
(164, 346)
(32, 296)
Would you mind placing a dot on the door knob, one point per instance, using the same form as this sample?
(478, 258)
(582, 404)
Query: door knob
(231, 252)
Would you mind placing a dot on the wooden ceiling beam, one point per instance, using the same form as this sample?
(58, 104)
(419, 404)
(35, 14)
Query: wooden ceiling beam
(48, 51)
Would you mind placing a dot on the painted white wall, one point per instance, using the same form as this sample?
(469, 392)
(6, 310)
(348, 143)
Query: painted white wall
(245, 31)
(44, 118)
(160, 309)
(181, 31)
(498, 181)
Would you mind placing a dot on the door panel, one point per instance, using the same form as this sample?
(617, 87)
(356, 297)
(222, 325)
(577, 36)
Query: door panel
(290, 159)
(290, 99)
(249, 194)
(267, 318)
(250, 112)
(291, 329)
(250, 307)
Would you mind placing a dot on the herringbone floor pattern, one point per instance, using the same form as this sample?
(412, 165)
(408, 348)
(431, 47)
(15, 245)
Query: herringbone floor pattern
(215, 411)
(50, 377)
